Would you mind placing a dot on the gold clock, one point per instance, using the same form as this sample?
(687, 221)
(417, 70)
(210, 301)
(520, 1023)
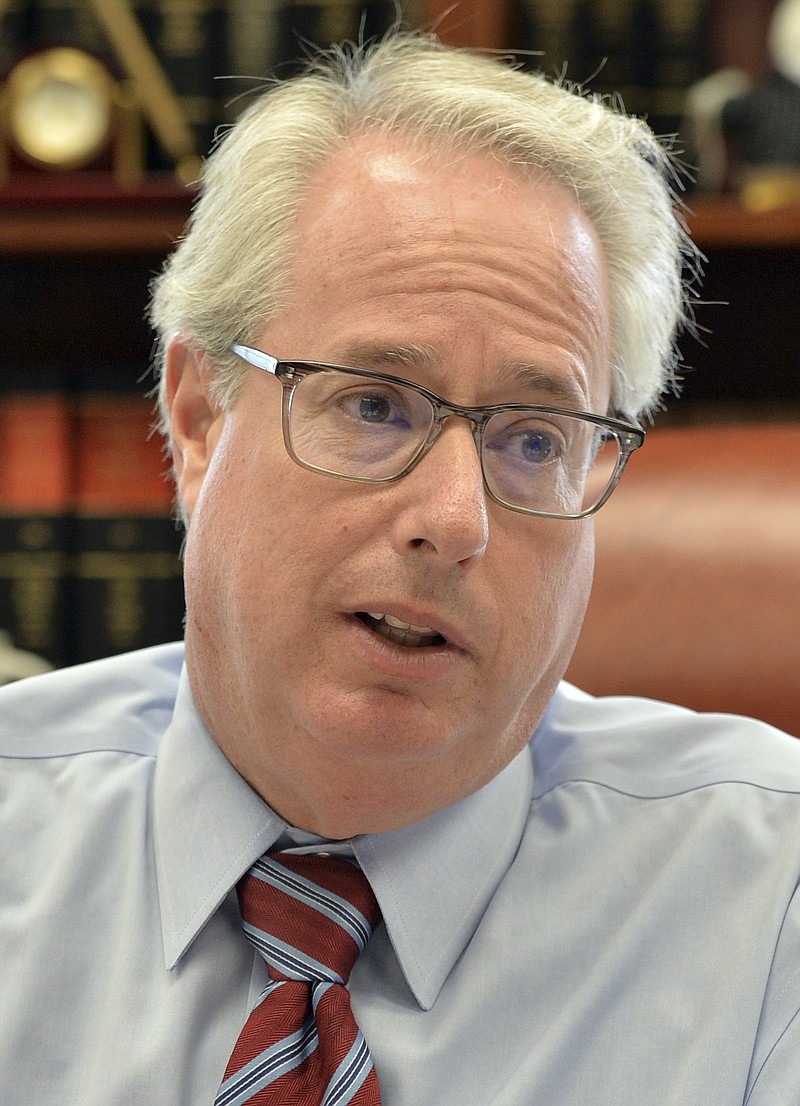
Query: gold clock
(60, 108)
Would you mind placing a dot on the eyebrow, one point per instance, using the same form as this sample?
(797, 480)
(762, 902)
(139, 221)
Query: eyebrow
(369, 356)
(523, 376)
(565, 390)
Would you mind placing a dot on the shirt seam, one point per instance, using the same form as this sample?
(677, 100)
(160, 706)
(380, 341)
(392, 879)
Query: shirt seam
(64, 755)
(677, 793)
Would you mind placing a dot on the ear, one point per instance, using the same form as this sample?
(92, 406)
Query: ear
(195, 418)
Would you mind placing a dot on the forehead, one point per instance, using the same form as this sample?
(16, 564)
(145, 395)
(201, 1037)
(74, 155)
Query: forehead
(384, 165)
(399, 175)
(402, 244)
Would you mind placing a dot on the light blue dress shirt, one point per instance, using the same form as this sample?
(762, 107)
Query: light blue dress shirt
(613, 921)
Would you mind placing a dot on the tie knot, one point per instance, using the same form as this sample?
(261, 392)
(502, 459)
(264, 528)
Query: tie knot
(308, 916)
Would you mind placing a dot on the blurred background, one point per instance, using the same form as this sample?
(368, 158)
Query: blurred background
(106, 110)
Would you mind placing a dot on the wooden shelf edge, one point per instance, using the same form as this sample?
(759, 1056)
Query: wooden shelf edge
(123, 232)
(89, 214)
(724, 223)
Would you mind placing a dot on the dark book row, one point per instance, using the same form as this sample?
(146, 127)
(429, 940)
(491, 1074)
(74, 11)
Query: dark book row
(89, 550)
(213, 52)
(647, 52)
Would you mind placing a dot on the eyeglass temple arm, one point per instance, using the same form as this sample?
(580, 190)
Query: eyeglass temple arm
(257, 358)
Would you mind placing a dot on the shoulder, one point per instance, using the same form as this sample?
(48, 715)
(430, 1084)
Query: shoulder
(122, 704)
(651, 749)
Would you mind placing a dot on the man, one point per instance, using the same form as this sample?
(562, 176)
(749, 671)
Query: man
(421, 301)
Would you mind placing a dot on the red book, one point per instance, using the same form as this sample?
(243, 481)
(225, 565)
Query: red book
(127, 580)
(35, 500)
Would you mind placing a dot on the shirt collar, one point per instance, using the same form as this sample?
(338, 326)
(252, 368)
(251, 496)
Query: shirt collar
(209, 826)
(433, 880)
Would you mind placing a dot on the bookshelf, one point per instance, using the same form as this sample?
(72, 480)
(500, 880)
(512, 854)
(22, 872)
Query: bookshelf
(89, 559)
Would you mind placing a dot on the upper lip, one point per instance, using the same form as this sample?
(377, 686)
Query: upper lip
(421, 617)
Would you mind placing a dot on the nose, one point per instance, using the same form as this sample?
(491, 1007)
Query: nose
(445, 510)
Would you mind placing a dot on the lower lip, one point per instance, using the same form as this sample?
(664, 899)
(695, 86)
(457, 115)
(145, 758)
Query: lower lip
(428, 663)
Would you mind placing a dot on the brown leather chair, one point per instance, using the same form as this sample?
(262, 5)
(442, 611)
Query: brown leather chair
(697, 590)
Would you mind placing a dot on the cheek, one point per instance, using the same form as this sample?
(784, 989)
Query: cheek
(571, 567)
(222, 553)
(549, 598)
(265, 532)
(571, 577)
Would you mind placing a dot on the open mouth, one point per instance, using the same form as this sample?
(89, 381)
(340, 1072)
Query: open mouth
(401, 633)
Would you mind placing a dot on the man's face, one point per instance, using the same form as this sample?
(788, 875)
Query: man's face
(486, 288)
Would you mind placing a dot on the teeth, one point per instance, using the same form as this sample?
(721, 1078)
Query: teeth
(400, 625)
(403, 633)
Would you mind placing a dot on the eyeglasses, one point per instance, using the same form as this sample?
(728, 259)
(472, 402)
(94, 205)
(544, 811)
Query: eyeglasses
(373, 428)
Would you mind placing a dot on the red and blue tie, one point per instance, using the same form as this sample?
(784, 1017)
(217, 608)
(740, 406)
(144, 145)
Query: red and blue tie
(309, 917)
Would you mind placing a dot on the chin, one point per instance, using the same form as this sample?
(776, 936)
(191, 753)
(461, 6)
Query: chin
(383, 723)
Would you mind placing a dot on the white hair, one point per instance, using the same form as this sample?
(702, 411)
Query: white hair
(228, 274)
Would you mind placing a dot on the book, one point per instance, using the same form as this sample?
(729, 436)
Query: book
(126, 588)
(588, 48)
(15, 32)
(541, 30)
(35, 499)
(66, 23)
(647, 51)
(252, 28)
(301, 28)
(680, 57)
(189, 38)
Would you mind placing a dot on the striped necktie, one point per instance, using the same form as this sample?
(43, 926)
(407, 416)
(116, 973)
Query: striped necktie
(309, 917)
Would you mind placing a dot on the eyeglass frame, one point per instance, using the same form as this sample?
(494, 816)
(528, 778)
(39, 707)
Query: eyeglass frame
(290, 373)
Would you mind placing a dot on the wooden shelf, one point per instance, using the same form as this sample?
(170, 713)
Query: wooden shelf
(144, 232)
(724, 223)
(90, 215)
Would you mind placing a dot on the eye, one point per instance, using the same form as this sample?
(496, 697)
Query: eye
(526, 442)
(375, 407)
(536, 446)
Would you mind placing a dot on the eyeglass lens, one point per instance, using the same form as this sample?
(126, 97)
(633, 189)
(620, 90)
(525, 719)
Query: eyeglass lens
(349, 426)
